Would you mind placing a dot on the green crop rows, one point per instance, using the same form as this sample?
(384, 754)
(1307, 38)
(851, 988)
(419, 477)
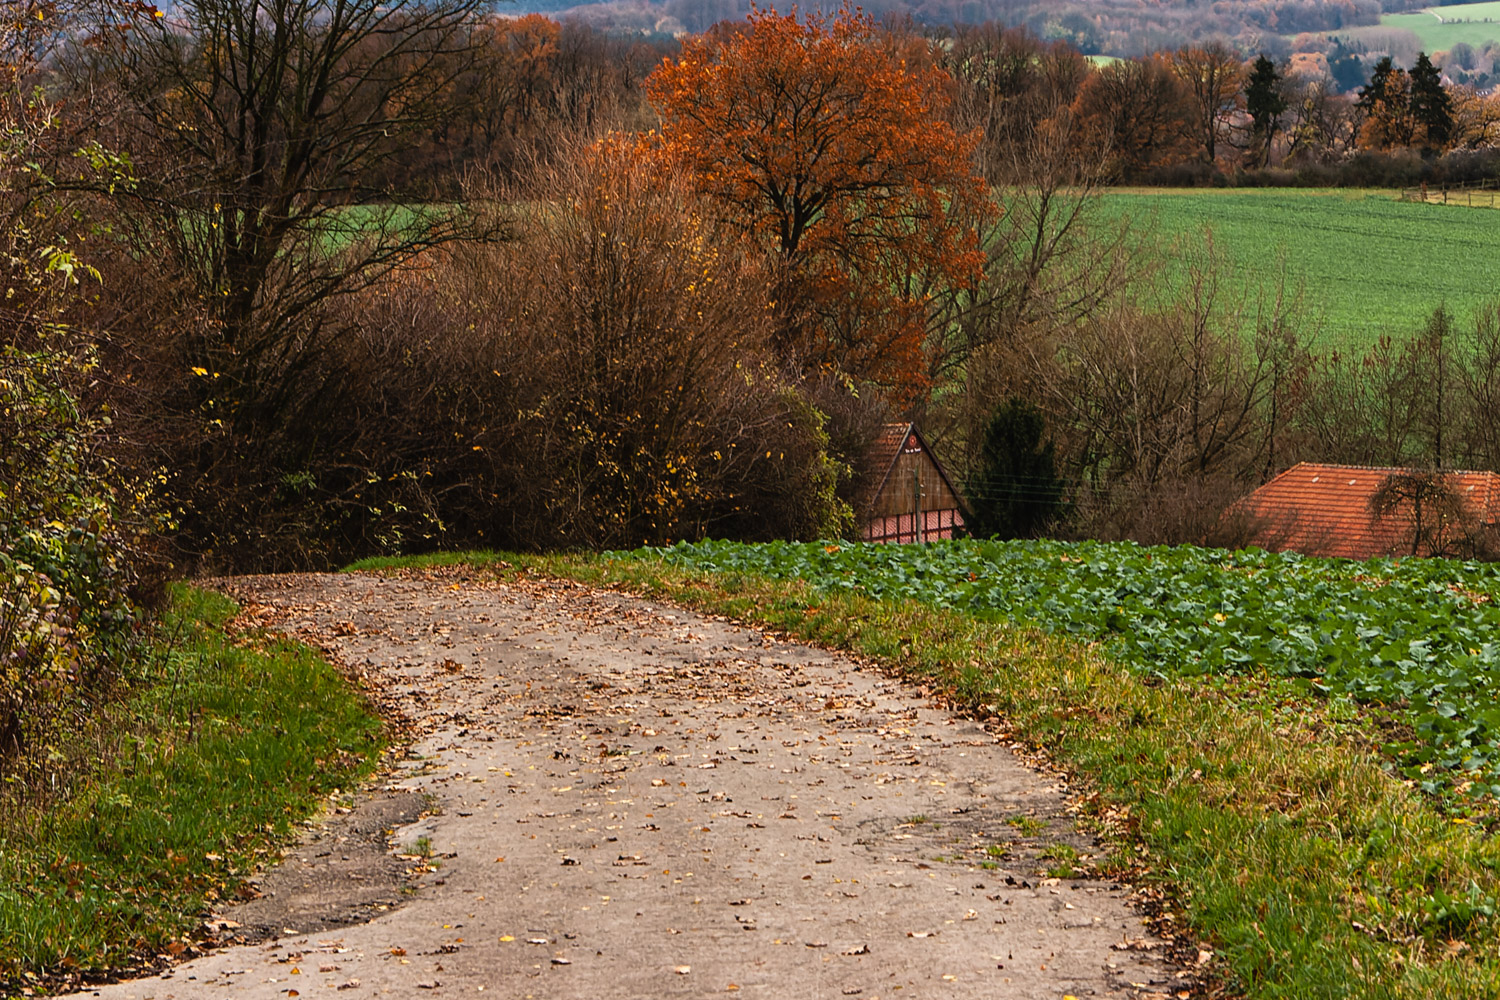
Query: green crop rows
(1365, 262)
(1419, 637)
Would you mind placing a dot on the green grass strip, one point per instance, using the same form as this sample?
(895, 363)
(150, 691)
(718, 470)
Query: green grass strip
(225, 749)
(432, 560)
(1312, 872)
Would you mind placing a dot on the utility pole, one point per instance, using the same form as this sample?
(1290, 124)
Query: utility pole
(916, 494)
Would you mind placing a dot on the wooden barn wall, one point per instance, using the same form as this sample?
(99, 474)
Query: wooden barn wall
(897, 499)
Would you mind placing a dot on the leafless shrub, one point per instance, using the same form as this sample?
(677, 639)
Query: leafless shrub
(599, 382)
(1432, 514)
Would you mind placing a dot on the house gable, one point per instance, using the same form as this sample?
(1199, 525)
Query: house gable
(914, 499)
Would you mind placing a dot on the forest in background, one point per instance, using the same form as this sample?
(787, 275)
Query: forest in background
(1342, 39)
(1124, 28)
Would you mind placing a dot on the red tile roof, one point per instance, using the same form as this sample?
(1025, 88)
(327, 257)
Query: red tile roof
(1324, 510)
(888, 444)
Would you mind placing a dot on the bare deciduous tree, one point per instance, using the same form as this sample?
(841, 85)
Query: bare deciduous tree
(1213, 77)
(1434, 518)
(256, 131)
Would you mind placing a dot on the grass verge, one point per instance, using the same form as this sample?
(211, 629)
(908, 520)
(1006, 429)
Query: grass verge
(213, 757)
(433, 560)
(1308, 871)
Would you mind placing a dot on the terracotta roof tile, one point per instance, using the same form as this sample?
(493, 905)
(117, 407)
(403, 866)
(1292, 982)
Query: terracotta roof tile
(1324, 510)
(887, 444)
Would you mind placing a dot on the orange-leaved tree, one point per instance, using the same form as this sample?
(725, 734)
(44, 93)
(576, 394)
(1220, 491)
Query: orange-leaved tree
(827, 138)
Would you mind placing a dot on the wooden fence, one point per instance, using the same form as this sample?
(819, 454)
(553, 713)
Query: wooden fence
(1474, 194)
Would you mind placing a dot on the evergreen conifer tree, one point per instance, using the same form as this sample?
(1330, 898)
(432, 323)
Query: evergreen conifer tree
(1431, 107)
(1264, 102)
(1016, 490)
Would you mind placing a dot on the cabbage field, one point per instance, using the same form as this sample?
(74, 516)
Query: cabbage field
(1419, 638)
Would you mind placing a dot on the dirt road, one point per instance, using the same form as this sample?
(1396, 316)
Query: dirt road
(626, 800)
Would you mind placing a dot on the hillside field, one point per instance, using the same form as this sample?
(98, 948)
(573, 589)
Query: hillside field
(1441, 28)
(1366, 262)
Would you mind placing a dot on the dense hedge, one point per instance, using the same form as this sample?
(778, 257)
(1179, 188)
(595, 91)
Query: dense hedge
(69, 528)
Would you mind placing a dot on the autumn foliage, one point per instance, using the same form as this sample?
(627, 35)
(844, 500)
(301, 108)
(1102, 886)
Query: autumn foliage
(827, 139)
(1137, 114)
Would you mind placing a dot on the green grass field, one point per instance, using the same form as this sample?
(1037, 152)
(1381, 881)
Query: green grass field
(1366, 263)
(1437, 29)
(1441, 28)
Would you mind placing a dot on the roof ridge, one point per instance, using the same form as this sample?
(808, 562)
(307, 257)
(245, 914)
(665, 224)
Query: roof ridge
(1387, 468)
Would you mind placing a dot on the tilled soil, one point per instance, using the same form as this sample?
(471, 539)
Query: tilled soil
(612, 798)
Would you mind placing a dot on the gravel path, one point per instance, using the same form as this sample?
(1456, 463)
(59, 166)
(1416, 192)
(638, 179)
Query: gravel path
(609, 798)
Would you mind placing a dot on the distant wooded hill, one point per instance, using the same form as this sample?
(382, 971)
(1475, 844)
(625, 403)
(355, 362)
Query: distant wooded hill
(1095, 27)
